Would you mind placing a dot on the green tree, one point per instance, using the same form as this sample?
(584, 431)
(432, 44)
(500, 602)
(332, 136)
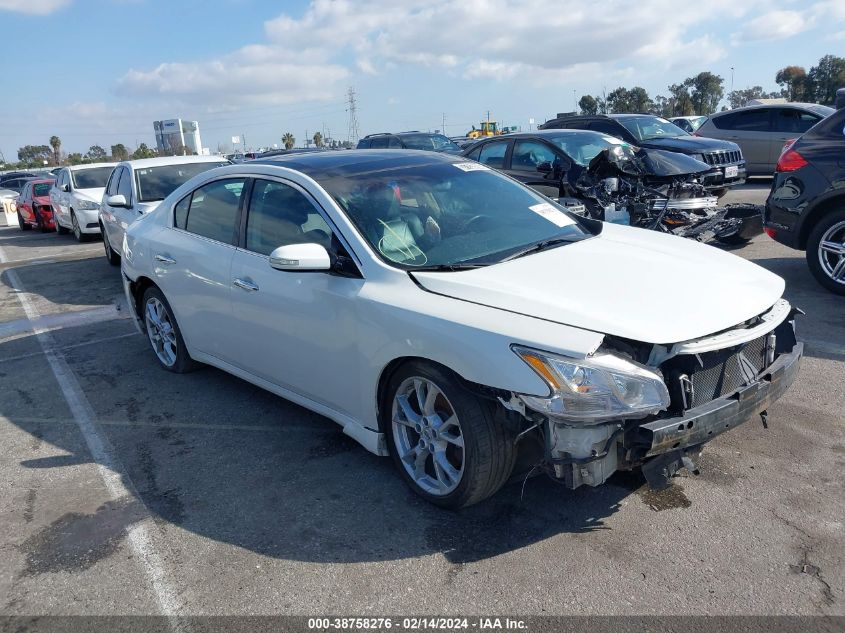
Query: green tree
(638, 100)
(56, 144)
(738, 98)
(618, 101)
(706, 92)
(34, 155)
(679, 102)
(95, 153)
(75, 158)
(588, 105)
(143, 152)
(826, 78)
(288, 140)
(795, 83)
(119, 152)
(318, 139)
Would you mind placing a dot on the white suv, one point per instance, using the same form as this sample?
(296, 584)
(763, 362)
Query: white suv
(137, 186)
(75, 197)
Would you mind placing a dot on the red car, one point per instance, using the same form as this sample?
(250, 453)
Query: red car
(34, 208)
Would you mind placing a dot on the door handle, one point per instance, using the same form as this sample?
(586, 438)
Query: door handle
(164, 259)
(244, 284)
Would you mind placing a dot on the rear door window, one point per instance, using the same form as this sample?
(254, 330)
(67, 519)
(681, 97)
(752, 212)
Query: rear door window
(493, 154)
(379, 142)
(213, 212)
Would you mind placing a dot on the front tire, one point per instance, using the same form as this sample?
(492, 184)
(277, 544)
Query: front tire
(826, 252)
(77, 230)
(112, 257)
(164, 335)
(59, 228)
(444, 439)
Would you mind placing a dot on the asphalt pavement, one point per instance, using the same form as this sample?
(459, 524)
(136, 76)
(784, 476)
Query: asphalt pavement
(128, 490)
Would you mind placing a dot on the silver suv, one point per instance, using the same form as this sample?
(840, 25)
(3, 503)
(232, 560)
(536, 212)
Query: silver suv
(761, 130)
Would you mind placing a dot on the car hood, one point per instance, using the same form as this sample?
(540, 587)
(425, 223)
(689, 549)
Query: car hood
(146, 207)
(689, 144)
(92, 195)
(628, 282)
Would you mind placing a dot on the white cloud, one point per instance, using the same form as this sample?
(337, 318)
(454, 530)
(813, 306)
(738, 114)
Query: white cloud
(774, 25)
(33, 7)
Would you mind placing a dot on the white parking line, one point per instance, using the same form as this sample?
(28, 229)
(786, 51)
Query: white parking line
(97, 341)
(47, 322)
(115, 477)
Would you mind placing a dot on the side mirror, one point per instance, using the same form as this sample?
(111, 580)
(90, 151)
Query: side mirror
(117, 200)
(66, 187)
(545, 167)
(301, 258)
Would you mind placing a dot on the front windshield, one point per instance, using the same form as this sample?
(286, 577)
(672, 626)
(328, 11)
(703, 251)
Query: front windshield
(645, 128)
(582, 147)
(432, 142)
(447, 214)
(156, 183)
(94, 178)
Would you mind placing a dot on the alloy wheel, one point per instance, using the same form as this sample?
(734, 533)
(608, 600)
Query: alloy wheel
(160, 331)
(427, 435)
(831, 252)
(77, 232)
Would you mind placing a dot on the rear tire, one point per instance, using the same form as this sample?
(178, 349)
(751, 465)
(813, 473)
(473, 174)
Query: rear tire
(24, 226)
(828, 261)
(164, 335)
(112, 257)
(733, 240)
(453, 462)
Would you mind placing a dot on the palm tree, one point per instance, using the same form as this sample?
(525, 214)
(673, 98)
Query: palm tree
(56, 144)
(288, 140)
(318, 139)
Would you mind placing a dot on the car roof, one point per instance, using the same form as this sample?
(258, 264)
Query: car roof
(798, 105)
(540, 133)
(89, 166)
(354, 162)
(160, 161)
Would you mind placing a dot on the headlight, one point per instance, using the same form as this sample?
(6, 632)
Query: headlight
(87, 205)
(593, 389)
(698, 157)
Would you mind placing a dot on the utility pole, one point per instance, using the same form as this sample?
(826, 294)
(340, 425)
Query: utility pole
(443, 126)
(732, 79)
(574, 101)
(352, 111)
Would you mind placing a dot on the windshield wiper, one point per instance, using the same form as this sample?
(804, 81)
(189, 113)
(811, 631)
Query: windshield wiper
(539, 246)
(445, 267)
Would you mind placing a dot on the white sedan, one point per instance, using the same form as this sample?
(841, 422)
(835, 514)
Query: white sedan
(458, 321)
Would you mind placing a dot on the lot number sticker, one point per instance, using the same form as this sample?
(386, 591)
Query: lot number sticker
(471, 166)
(553, 215)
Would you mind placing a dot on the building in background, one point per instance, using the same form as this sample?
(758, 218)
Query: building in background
(174, 136)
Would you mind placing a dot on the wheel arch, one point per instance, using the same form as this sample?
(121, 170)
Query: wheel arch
(829, 204)
(483, 391)
(138, 288)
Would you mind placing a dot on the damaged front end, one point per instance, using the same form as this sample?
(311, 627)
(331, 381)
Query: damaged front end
(662, 191)
(632, 405)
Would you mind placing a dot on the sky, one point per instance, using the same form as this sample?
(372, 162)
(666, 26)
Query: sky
(101, 71)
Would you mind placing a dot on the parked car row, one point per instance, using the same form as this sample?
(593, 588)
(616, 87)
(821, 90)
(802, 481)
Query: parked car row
(463, 323)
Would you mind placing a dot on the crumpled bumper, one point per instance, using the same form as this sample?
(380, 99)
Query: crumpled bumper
(705, 422)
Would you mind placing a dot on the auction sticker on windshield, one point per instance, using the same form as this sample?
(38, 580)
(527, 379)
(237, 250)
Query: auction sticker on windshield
(471, 166)
(553, 215)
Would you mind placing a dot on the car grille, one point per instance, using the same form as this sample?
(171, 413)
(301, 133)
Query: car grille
(721, 374)
(723, 157)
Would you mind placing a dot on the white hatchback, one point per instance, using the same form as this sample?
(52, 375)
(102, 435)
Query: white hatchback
(75, 198)
(136, 187)
(448, 316)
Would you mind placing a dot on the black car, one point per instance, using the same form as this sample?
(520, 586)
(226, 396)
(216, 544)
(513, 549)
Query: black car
(806, 205)
(653, 132)
(16, 180)
(409, 140)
